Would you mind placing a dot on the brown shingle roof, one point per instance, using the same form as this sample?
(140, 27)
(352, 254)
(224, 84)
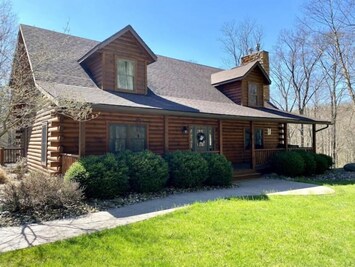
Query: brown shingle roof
(237, 73)
(174, 85)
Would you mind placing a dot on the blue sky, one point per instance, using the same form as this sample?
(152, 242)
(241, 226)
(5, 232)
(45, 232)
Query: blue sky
(184, 29)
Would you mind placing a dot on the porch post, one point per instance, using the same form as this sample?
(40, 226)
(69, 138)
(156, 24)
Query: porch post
(82, 142)
(220, 126)
(2, 158)
(166, 134)
(252, 139)
(286, 136)
(314, 138)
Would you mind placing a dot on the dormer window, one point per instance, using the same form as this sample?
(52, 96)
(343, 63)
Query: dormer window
(125, 74)
(252, 94)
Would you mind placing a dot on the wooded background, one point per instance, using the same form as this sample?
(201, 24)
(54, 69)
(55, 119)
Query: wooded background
(312, 71)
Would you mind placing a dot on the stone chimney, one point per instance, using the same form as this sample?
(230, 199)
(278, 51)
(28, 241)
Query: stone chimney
(263, 57)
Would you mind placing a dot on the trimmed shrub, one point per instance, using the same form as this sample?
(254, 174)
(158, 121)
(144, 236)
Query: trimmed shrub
(329, 160)
(100, 176)
(309, 162)
(3, 176)
(39, 193)
(187, 169)
(288, 163)
(220, 171)
(148, 172)
(321, 163)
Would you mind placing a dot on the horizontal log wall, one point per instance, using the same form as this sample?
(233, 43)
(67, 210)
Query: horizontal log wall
(272, 140)
(233, 141)
(233, 91)
(53, 162)
(94, 66)
(96, 132)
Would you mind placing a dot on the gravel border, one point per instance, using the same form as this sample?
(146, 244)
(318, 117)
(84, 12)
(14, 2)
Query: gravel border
(338, 175)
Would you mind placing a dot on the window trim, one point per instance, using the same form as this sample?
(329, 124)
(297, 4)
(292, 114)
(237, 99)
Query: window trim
(255, 131)
(44, 145)
(256, 94)
(130, 123)
(117, 58)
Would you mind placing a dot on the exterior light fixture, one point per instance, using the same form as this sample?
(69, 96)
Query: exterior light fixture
(184, 130)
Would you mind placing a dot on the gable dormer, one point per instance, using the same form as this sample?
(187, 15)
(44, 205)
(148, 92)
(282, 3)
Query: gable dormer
(120, 62)
(248, 84)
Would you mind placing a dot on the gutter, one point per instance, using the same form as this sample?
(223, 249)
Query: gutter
(139, 110)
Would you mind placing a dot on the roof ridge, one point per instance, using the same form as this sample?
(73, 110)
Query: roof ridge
(92, 40)
(193, 63)
(58, 32)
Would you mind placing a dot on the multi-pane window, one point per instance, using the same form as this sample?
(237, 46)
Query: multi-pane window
(252, 94)
(202, 138)
(258, 138)
(44, 135)
(127, 137)
(125, 74)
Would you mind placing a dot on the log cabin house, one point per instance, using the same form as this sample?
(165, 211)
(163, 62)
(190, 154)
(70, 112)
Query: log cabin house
(146, 101)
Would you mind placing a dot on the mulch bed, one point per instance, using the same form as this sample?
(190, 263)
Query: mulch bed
(91, 205)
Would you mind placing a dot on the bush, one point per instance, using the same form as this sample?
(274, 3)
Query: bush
(288, 163)
(321, 164)
(309, 162)
(39, 193)
(20, 168)
(3, 176)
(100, 176)
(329, 160)
(187, 169)
(148, 172)
(220, 171)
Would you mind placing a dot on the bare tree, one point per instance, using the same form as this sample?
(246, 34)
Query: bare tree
(20, 98)
(296, 74)
(335, 21)
(238, 38)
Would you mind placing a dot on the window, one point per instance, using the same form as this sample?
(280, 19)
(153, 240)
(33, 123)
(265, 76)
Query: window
(201, 138)
(125, 74)
(252, 94)
(258, 138)
(127, 137)
(44, 144)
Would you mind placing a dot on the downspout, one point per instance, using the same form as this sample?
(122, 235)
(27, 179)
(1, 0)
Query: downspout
(321, 129)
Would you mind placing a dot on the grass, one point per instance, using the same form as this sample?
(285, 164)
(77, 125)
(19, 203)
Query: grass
(261, 231)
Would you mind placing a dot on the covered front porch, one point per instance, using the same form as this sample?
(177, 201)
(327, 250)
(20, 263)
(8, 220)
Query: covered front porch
(232, 138)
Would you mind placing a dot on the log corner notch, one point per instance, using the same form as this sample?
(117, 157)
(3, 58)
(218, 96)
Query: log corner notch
(54, 145)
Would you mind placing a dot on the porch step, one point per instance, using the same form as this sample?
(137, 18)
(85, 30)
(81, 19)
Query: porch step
(245, 174)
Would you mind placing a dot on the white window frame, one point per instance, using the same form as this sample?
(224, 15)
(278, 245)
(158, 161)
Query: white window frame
(118, 74)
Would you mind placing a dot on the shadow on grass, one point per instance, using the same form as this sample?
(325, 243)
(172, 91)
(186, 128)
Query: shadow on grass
(251, 198)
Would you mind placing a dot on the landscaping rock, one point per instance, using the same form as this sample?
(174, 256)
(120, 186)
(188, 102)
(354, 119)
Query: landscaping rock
(350, 167)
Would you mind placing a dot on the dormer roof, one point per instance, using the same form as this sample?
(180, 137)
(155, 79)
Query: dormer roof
(238, 73)
(117, 35)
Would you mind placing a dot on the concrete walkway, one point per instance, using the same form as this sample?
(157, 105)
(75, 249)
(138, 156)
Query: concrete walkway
(12, 238)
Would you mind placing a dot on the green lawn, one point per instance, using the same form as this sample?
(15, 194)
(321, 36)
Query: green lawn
(269, 231)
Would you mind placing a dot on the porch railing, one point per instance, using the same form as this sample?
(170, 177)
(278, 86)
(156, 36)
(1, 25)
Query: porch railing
(10, 155)
(264, 156)
(68, 160)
